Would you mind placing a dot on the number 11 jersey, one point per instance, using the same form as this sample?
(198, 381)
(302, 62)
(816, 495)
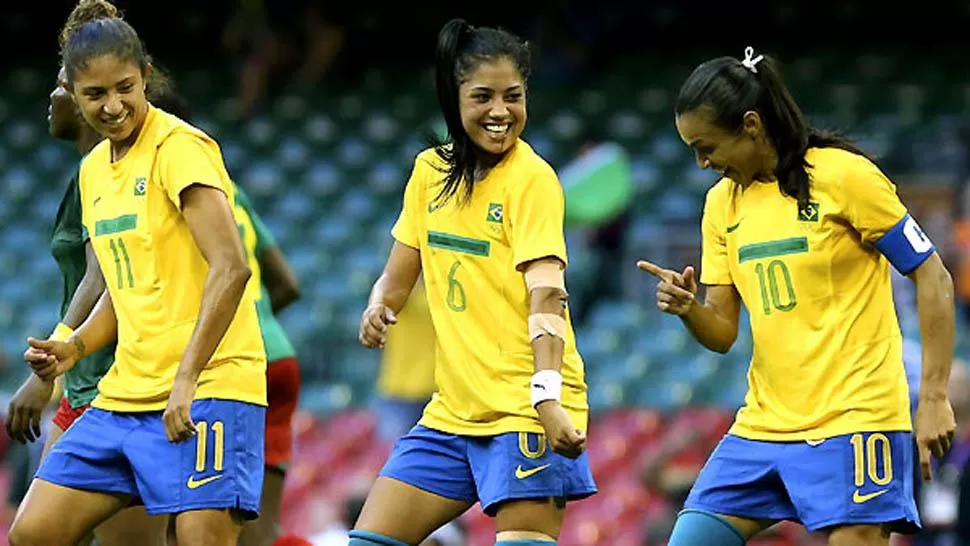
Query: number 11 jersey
(815, 279)
(471, 256)
(155, 272)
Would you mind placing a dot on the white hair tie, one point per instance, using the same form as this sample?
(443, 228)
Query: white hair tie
(750, 61)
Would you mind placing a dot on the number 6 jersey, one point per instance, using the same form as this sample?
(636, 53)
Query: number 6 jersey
(470, 255)
(827, 356)
(154, 271)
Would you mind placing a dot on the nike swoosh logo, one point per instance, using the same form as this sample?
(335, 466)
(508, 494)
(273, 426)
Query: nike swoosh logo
(814, 443)
(195, 484)
(521, 473)
(731, 229)
(859, 498)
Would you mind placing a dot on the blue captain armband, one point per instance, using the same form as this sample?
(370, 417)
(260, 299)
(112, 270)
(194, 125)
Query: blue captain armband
(906, 246)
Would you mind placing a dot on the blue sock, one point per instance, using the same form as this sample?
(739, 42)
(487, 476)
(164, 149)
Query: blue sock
(694, 527)
(366, 538)
(524, 543)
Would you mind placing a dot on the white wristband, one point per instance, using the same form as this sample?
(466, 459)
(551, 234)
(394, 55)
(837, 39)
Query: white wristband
(546, 385)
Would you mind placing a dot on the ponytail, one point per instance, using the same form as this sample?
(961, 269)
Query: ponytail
(460, 155)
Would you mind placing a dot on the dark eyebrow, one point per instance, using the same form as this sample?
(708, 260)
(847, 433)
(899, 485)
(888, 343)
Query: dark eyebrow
(489, 89)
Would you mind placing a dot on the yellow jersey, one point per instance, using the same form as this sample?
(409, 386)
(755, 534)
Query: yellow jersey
(407, 365)
(827, 356)
(154, 271)
(470, 255)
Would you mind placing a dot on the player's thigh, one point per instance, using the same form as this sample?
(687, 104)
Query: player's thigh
(525, 484)
(425, 483)
(265, 530)
(860, 535)
(133, 525)
(740, 482)
(84, 478)
(401, 511)
(855, 480)
(221, 467)
(208, 527)
(76, 513)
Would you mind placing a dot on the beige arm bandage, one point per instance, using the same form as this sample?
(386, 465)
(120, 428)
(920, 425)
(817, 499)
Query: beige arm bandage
(546, 324)
(545, 274)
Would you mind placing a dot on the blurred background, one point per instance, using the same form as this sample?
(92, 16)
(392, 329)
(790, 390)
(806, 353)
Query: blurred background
(320, 108)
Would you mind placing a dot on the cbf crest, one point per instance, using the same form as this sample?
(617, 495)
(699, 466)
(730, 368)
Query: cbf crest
(808, 213)
(494, 213)
(141, 183)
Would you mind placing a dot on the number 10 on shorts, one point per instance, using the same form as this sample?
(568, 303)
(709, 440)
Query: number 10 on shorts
(873, 459)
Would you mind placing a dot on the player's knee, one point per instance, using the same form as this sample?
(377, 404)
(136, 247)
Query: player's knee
(366, 538)
(526, 519)
(694, 527)
(859, 535)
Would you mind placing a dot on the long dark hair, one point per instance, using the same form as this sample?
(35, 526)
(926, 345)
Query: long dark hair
(461, 48)
(728, 88)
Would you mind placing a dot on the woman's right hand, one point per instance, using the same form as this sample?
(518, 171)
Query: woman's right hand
(373, 325)
(676, 291)
(564, 438)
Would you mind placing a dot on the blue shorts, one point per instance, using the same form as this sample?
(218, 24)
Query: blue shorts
(488, 469)
(128, 453)
(864, 478)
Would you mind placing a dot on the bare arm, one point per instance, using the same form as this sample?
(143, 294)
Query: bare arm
(548, 349)
(934, 300)
(279, 279)
(88, 291)
(99, 329)
(396, 282)
(714, 323)
(209, 217)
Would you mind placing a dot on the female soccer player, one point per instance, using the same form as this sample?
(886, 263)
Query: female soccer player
(158, 205)
(483, 220)
(802, 229)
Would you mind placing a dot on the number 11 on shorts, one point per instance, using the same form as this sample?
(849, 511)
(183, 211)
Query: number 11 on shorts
(219, 447)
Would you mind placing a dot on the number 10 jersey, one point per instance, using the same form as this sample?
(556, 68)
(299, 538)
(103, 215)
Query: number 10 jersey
(815, 279)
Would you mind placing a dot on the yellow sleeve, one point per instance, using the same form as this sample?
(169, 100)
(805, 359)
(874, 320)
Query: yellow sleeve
(406, 230)
(536, 210)
(185, 159)
(869, 200)
(714, 254)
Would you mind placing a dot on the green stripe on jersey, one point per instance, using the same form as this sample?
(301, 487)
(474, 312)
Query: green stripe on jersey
(781, 247)
(111, 226)
(466, 245)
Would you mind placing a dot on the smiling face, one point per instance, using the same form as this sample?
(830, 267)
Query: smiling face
(63, 117)
(110, 92)
(492, 103)
(735, 155)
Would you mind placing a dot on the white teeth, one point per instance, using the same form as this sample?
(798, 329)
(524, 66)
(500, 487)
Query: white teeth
(493, 128)
(117, 122)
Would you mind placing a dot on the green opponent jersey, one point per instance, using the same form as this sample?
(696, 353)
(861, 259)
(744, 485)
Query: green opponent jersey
(257, 239)
(67, 245)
